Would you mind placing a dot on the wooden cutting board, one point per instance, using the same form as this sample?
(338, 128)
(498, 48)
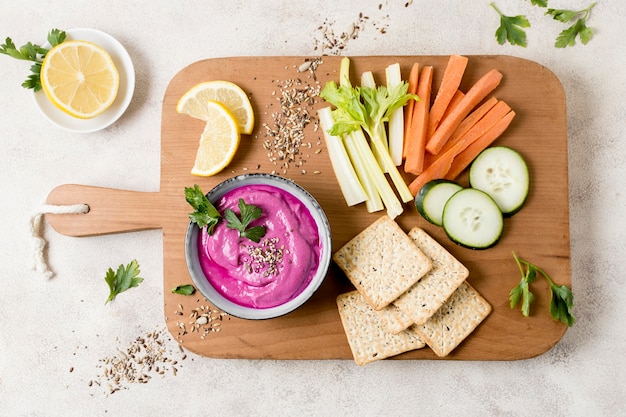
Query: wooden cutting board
(539, 233)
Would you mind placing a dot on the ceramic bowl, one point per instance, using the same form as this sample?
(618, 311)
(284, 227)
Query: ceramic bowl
(220, 301)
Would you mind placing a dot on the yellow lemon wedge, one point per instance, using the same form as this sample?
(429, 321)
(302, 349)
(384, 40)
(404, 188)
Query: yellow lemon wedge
(219, 141)
(80, 78)
(194, 102)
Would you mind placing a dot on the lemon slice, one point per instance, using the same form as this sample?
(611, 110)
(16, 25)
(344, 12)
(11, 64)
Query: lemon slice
(80, 78)
(194, 102)
(219, 141)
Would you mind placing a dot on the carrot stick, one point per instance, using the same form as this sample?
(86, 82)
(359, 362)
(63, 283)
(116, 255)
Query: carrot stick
(471, 120)
(450, 83)
(408, 110)
(467, 123)
(465, 158)
(485, 85)
(491, 118)
(437, 169)
(456, 99)
(414, 162)
(441, 166)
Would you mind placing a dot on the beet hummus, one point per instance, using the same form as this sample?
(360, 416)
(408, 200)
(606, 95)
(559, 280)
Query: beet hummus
(274, 270)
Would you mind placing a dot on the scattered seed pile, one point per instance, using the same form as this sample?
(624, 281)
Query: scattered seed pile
(285, 137)
(146, 357)
(332, 42)
(202, 321)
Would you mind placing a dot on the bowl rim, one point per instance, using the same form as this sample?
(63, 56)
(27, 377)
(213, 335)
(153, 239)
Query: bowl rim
(237, 310)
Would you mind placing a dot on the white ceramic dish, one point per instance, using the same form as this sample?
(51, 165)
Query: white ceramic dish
(234, 309)
(125, 93)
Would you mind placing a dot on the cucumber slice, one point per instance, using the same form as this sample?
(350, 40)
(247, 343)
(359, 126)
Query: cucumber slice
(431, 198)
(502, 173)
(471, 218)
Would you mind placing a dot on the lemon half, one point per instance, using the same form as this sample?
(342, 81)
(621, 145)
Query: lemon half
(80, 78)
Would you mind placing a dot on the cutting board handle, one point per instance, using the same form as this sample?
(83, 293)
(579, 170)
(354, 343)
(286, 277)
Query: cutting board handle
(110, 210)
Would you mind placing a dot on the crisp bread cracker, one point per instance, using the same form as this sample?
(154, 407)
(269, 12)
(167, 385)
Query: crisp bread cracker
(455, 320)
(368, 340)
(382, 262)
(393, 319)
(425, 297)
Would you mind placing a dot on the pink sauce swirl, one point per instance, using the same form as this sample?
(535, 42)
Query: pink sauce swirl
(274, 270)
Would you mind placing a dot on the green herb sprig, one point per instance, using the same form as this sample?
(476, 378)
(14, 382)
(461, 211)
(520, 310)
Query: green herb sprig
(511, 29)
(32, 52)
(248, 213)
(126, 277)
(568, 36)
(205, 213)
(186, 289)
(561, 296)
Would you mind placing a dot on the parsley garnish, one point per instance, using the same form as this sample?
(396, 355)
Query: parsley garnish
(32, 52)
(125, 278)
(562, 298)
(186, 289)
(568, 36)
(205, 213)
(511, 28)
(248, 213)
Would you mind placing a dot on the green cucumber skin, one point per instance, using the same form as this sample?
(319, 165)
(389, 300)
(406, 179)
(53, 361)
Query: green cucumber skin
(421, 195)
(454, 238)
(505, 212)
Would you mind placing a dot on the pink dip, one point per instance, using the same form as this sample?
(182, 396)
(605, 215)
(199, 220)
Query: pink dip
(273, 271)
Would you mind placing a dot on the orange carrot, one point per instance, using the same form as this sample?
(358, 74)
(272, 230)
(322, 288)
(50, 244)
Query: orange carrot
(408, 110)
(485, 85)
(491, 118)
(465, 158)
(419, 123)
(443, 163)
(438, 169)
(450, 82)
(467, 123)
(456, 99)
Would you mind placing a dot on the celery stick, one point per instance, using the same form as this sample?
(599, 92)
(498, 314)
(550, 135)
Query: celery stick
(367, 80)
(349, 183)
(344, 72)
(396, 119)
(396, 177)
(393, 205)
(373, 202)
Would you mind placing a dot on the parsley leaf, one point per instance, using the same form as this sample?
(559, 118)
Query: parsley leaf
(248, 213)
(186, 289)
(561, 296)
(56, 36)
(511, 28)
(125, 278)
(568, 36)
(540, 3)
(32, 52)
(205, 213)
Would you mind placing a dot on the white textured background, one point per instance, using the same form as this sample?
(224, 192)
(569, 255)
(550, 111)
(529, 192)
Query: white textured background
(48, 327)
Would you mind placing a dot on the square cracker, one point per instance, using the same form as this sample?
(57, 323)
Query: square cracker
(425, 297)
(393, 319)
(368, 340)
(455, 320)
(382, 262)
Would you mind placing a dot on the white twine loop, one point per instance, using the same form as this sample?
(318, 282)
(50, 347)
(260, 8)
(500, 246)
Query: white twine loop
(36, 229)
